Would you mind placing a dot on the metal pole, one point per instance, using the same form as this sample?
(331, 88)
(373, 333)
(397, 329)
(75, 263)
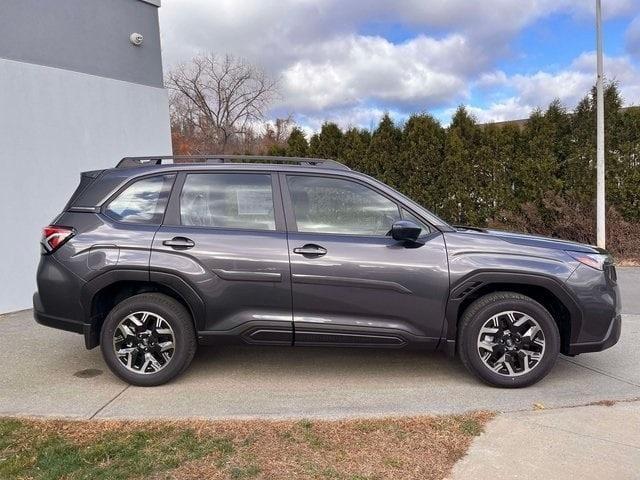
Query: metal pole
(600, 198)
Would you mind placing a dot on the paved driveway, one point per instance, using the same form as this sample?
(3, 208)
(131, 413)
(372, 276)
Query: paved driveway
(46, 372)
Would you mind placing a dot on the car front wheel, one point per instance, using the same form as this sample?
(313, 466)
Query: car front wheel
(148, 339)
(508, 340)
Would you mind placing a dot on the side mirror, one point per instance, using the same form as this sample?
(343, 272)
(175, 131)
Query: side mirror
(405, 231)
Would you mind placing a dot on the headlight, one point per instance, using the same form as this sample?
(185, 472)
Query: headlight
(593, 260)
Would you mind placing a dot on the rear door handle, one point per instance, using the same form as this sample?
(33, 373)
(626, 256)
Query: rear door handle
(311, 250)
(179, 243)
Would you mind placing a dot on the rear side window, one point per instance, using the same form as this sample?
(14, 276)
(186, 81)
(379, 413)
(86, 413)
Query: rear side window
(143, 201)
(228, 200)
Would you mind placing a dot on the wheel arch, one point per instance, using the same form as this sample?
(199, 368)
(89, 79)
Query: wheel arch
(548, 291)
(101, 294)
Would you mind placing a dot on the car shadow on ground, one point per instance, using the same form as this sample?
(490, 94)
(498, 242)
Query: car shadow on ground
(326, 362)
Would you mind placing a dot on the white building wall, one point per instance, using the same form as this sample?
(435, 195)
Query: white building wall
(54, 124)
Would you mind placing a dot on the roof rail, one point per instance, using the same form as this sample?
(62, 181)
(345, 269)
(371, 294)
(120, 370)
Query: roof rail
(132, 162)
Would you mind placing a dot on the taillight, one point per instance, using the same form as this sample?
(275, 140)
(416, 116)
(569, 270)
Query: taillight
(53, 237)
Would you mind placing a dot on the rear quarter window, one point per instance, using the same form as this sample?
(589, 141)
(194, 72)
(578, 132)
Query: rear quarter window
(144, 201)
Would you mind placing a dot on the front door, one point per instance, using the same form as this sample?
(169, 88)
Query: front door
(352, 284)
(224, 233)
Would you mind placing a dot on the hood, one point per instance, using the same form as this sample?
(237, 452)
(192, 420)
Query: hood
(533, 240)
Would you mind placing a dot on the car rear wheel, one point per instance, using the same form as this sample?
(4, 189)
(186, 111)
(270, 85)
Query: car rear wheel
(148, 339)
(508, 340)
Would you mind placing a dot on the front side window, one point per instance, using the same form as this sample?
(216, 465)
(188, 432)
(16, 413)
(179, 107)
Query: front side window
(228, 200)
(334, 205)
(143, 201)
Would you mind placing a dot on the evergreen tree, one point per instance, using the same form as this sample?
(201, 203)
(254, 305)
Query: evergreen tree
(579, 178)
(508, 155)
(382, 156)
(464, 174)
(328, 143)
(496, 156)
(616, 163)
(297, 145)
(276, 150)
(421, 154)
(454, 173)
(538, 168)
(625, 191)
(559, 127)
(314, 145)
(354, 149)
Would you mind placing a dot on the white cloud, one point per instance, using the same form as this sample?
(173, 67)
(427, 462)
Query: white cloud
(569, 86)
(509, 109)
(422, 71)
(542, 87)
(275, 30)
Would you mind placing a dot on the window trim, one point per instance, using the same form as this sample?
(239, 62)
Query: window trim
(103, 210)
(424, 233)
(292, 225)
(172, 214)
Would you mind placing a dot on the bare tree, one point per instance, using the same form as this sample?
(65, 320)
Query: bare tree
(278, 131)
(219, 98)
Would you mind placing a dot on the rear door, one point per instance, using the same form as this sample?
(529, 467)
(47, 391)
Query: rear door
(352, 284)
(224, 235)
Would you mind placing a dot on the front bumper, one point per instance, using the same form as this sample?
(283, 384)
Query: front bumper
(610, 339)
(598, 296)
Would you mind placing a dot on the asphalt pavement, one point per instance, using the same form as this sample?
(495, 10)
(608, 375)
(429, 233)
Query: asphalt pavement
(46, 372)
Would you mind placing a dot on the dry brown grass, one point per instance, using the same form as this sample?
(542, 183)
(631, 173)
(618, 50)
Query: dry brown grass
(390, 448)
(625, 262)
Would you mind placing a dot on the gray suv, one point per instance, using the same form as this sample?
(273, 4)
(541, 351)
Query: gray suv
(160, 254)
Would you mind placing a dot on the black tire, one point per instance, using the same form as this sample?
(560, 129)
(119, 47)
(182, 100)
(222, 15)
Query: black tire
(483, 309)
(180, 321)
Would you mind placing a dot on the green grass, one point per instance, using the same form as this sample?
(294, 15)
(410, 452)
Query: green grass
(471, 427)
(310, 435)
(25, 452)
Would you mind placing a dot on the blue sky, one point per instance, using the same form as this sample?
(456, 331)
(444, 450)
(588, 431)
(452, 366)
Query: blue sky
(351, 61)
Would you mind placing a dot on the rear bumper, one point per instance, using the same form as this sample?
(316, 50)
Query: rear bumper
(610, 339)
(60, 323)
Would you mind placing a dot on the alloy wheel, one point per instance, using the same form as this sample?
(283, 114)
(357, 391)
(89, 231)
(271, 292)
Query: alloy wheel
(144, 342)
(511, 343)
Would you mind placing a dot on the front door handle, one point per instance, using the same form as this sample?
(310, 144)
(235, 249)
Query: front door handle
(311, 250)
(179, 243)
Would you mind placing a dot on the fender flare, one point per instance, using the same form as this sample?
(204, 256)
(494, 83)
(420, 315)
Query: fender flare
(471, 283)
(173, 282)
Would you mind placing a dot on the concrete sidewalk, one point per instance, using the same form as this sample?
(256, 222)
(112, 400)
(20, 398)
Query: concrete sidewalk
(47, 372)
(594, 442)
(582, 443)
